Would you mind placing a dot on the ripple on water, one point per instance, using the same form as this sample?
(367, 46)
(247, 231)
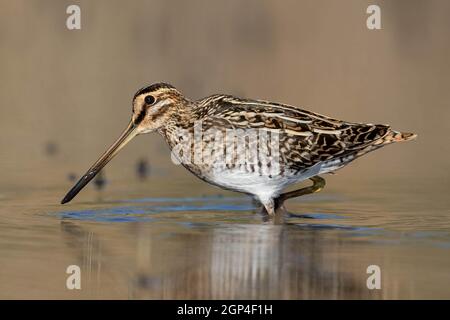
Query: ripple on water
(210, 210)
(238, 210)
(143, 212)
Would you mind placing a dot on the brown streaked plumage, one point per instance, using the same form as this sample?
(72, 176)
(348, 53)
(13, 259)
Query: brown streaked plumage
(308, 144)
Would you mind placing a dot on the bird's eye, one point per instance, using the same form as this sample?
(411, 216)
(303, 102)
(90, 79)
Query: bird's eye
(149, 99)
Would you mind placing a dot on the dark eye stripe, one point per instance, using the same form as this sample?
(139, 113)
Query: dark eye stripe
(140, 116)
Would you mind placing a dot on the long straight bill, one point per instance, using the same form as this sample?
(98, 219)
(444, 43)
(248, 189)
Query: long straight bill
(129, 133)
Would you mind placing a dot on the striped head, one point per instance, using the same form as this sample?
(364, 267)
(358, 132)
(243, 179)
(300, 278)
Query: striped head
(154, 105)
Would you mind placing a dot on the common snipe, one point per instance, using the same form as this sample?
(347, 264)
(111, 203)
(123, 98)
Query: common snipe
(306, 144)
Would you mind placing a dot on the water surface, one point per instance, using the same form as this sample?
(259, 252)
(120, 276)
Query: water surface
(217, 245)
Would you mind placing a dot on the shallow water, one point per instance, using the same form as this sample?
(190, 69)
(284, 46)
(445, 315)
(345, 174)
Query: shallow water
(184, 244)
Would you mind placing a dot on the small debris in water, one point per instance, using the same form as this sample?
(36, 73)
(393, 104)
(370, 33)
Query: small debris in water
(143, 169)
(51, 148)
(72, 177)
(100, 181)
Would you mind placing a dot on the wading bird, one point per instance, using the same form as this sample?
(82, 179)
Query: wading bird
(308, 144)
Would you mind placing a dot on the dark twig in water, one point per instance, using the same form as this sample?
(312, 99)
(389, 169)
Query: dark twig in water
(100, 181)
(51, 148)
(72, 177)
(143, 169)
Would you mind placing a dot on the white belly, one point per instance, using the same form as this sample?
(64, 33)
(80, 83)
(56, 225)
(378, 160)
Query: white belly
(263, 186)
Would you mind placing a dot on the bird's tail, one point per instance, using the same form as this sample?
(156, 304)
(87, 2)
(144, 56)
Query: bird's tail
(390, 137)
(397, 136)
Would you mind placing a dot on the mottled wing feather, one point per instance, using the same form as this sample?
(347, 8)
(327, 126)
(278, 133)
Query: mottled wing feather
(306, 138)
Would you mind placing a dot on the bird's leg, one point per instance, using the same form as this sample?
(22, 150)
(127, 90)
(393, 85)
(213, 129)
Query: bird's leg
(318, 185)
(270, 213)
(273, 207)
(268, 207)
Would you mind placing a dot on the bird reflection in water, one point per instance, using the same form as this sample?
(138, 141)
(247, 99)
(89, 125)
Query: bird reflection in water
(221, 262)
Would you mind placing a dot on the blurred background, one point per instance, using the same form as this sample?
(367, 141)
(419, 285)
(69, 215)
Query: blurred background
(65, 95)
(73, 88)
